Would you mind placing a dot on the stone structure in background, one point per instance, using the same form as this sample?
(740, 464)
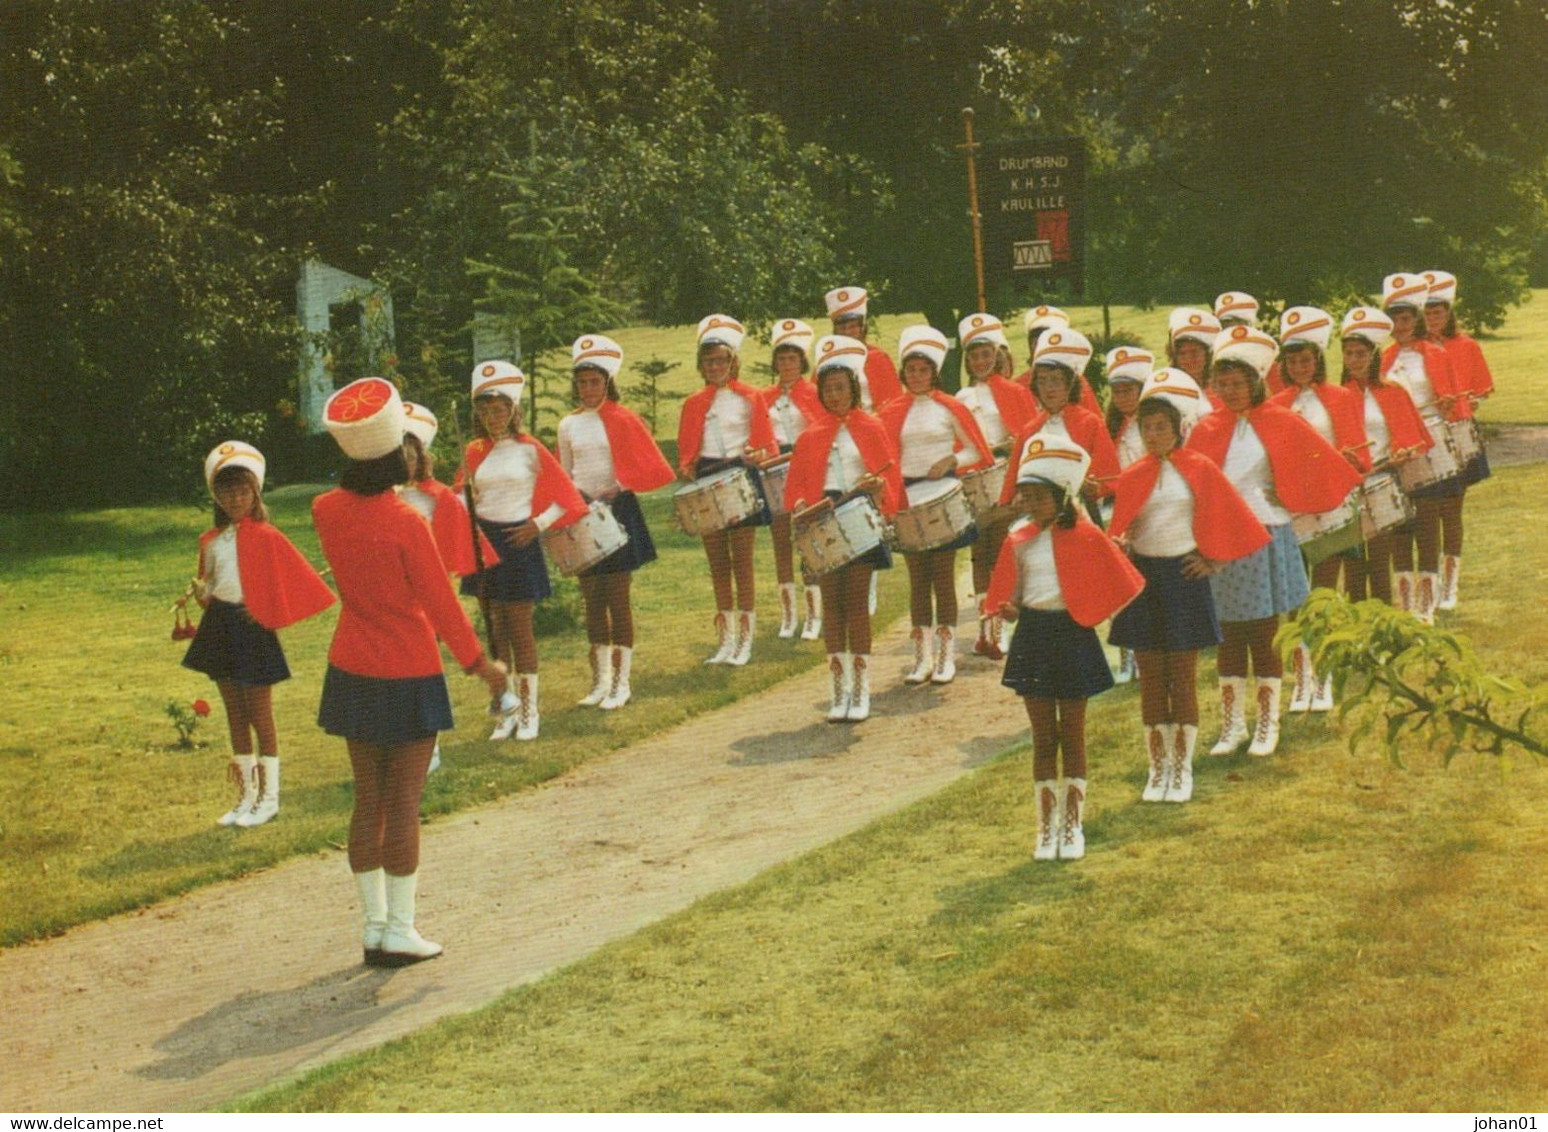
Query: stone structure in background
(325, 297)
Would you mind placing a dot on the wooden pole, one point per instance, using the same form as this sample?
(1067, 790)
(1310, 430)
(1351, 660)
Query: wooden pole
(978, 239)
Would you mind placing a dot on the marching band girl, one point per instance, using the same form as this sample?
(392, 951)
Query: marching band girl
(1279, 465)
(1339, 418)
(610, 455)
(1424, 369)
(1472, 373)
(936, 437)
(384, 692)
(251, 581)
(724, 425)
(879, 382)
(1127, 369)
(844, 451)
(1191, 335)
(791, 403)
(1057, 578)
(1040, 320)
(1237, 308)
(1392, 425)
(1182, 519)
(519, 491)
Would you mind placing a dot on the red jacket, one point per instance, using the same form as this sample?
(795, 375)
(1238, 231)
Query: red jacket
(1437, 367)
(453, 531)
(1309, 474)
(881, 377)
(1224, 527)
(1404, 423)
(1348, 412)
(1086, 429)
(397, 597)
(803, 393)
(638, 464)
(1096, 577)
(279, 586)
(1087, 399)
(690, 426)
(1467, 362)
(1276, 384)
(809, 461)
(896, 412)
(553, 482)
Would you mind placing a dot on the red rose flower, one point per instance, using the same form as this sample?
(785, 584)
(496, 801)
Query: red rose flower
(201, 707)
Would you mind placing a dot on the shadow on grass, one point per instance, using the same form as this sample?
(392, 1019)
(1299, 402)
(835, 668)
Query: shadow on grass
(818, 740)
(256, 1025)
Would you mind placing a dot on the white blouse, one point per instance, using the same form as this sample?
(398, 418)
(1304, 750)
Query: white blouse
(1376, 430)
(1247, 467)
(930, 433)
(222, 579)
(1130, 446)
(585, 453)
(504, 483)
(845, 465)
(1164, 526)
(418, 500)
(727, 426)
(1309, 407)
(1036, 574)
(1409, 372)
(986, 411)
(788, 420)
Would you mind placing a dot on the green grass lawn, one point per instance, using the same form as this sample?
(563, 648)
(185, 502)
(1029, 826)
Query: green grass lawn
(101, 812)
(1315, 931)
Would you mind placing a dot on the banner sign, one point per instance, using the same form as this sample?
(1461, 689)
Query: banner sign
(1031, 197)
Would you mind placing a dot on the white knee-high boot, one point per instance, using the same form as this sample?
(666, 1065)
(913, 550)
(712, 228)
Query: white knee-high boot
(618, 694)
(1233, 716)
(267, 804)
(922, 640)
(839, 670)
(788, 621)
(401, 942)
(373, 909)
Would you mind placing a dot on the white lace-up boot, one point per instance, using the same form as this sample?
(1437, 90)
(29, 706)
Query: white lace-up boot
(1305, 679)
(1233, 716)
(526, 705)
(1451, 573)
(1050, 820)
(620, 693)
(1426, 595)
(860, 689)
(746, 625)
(1158, 749)
(267, 804)
(788, 621)
(373, 909)
(945, 655)
(813, 627)
(601, 676)
(1404, 583)
(1179, 780)
(1265, 735)
(242, 771)
(1072, 838)
(725, 626)
(504, 711)
(840, 671)
(921, 639)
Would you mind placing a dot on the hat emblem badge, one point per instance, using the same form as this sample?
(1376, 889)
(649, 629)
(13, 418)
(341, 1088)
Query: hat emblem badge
(1194, 319)
(789, 324)
(489, 371)
(977, 322)
(1293, 319)
(1399, 281)
(1239, 333)
(843, 296)
(586, 343)
(1360, 313)
(1055, 339)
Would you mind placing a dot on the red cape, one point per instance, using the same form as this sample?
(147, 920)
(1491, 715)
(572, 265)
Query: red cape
(1403, 420)
(279, 586)
(638, 463)
(1096, 577)
(1086, 429)
(1223, 525)
(1348, 412)
(1467, 362)
(1276, 384)
(553, 482)
(881, 376)
(690, 426)
(453, 532)
(803, 393)
(1309, 474)
(896, 413)
(1437, 367)
(809, 461)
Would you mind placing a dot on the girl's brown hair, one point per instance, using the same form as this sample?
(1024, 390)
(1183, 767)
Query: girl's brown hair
(478, 419)
(228, 476)
(1318, 378)
(1257, 391)
(612, 386)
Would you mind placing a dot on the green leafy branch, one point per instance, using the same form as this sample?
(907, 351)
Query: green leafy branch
(1412, 683)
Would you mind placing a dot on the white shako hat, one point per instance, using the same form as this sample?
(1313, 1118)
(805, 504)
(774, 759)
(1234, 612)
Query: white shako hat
(1054, 460)
(792, 332)
(1129, 363)
(1369, 325)
(1306, 324)
(1405, 289)
(1195, 323)
(1177, 388)
(1063, 347)
(499, 377)
(1235, 305)
(233, 454)
(846, 302)
(979, 328)
(721, 330)
(1044, 317)
(838, 351)
(1443, 287)
(598, 352)
(366, 418)
(420, 421)
(922, 341)
(1248, 346)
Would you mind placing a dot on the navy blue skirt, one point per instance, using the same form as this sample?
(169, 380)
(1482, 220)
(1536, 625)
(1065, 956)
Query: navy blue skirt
(640, 548)
(520, 575)
(386, 712)
(231, 646)
(1477, 470)
(1171, 614)
(1053, 658)
(707, 466)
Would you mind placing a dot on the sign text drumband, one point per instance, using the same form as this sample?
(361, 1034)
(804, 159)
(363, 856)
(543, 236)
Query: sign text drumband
(1032, 200)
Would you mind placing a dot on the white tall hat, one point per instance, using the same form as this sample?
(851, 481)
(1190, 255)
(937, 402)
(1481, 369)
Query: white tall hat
(978, 328)
(1306, 324)
(923, 341)
(1238, 305)
(846, 302)
(1443, 287)
(721, 330)
(1063, 347)
(1044, 317)
(499, 378)
(1129, 363)
(792, 332)
(1369, 324)
(1247, 345)
(1055, 460)
(596, 351)
(841, 351)
(366, 418)
(233, 454)
(1177, 388)
(1193, 322)
(420, 421)
(1405, 289)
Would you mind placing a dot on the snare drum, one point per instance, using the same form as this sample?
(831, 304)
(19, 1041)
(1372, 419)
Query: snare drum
(983, 488)
(716, 501)
(775, 473)
(1384, 505)
(585, 542)
(1468, 442)
(938, 516)
(1326, 533)
(830, 537)
(1436, 466)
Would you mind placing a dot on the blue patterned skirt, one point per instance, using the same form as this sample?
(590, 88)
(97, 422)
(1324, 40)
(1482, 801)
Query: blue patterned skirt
(1268, 582)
